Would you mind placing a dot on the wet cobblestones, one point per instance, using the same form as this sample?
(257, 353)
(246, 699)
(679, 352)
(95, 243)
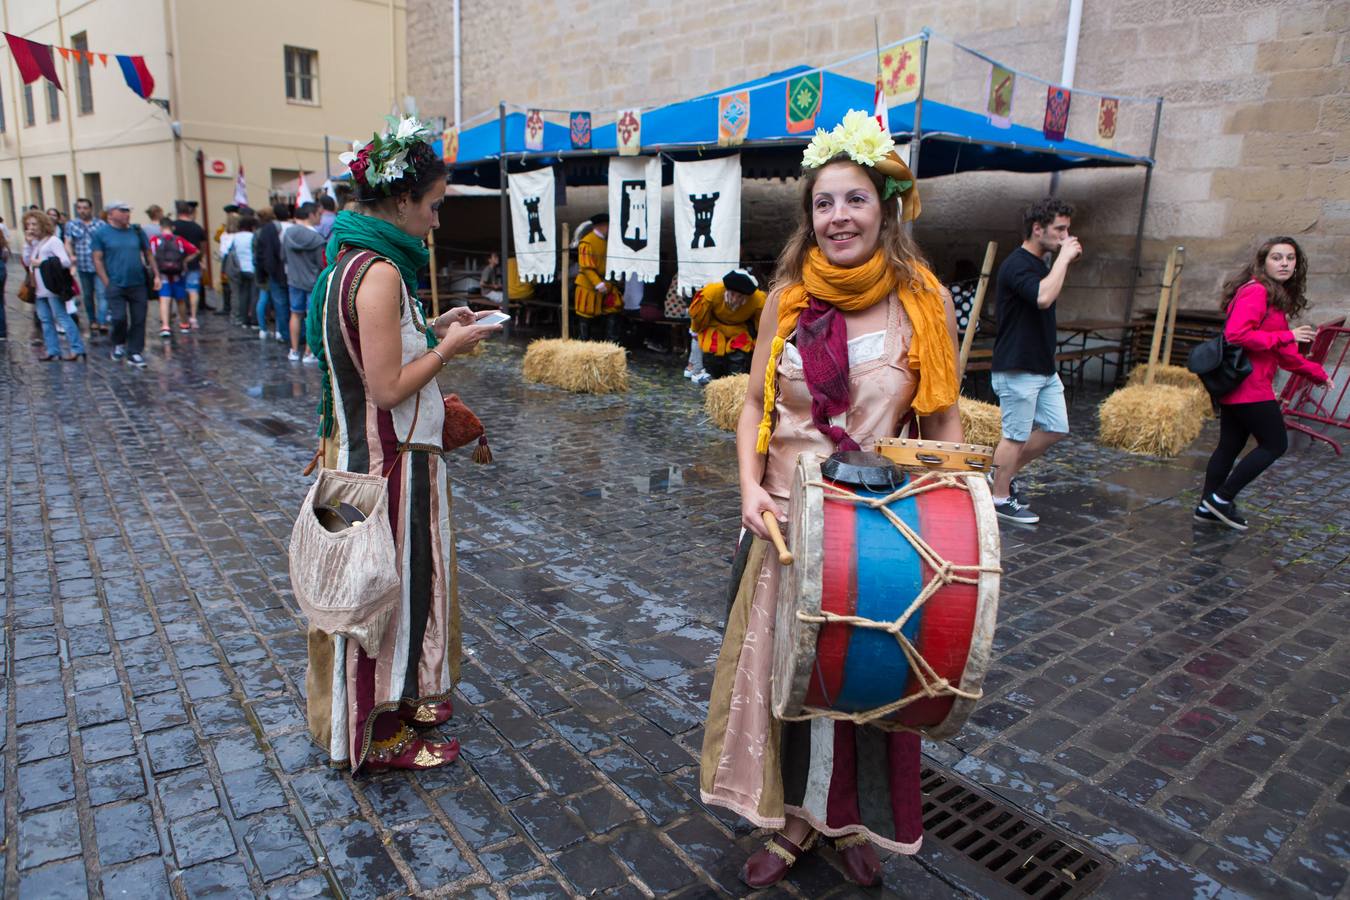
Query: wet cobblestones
(1170, 692)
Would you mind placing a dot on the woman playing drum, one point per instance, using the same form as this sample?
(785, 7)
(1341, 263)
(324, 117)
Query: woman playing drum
(864, 335)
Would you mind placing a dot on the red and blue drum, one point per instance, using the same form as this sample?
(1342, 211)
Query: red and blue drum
(856, 573)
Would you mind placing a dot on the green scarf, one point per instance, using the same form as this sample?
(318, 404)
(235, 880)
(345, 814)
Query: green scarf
(352, 229)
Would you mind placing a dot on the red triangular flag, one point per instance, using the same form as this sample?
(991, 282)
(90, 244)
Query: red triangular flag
(23, 58)
(65, 53)
(103, 58)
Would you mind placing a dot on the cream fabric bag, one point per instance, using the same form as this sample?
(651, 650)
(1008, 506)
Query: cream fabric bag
(347, 582)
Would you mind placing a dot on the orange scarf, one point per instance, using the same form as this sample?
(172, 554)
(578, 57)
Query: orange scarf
(931, 354)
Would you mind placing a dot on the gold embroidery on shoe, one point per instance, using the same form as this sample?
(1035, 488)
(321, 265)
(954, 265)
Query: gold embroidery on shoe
(426, 759)
(852, 840)
(425, 713)
(782, 853)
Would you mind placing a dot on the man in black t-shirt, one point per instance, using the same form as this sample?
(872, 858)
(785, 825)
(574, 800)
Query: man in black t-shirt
(1025, 375)
(186, 227)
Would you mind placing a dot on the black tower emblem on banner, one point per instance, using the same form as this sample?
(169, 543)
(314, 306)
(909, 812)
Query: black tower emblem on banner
(537, 235)
(633, 215)
(703, 216)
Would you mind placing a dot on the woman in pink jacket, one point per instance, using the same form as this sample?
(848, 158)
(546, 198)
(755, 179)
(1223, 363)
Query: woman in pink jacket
(1259, 300)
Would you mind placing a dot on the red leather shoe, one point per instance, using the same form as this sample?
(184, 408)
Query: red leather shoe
(428, 715)
(405, 750)
(860, 859)
(769, 865)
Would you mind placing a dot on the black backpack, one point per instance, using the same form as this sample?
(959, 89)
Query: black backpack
(169, 256)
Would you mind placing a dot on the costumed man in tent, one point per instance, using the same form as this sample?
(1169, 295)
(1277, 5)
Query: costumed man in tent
(596, 297)
(724, 316)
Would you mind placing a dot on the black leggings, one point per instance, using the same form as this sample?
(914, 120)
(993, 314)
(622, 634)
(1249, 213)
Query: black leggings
(1237, 422)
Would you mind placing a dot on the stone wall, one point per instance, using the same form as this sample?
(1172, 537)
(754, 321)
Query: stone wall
(1253, 138)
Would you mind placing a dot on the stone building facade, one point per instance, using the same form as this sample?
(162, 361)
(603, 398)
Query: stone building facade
(1253, 140)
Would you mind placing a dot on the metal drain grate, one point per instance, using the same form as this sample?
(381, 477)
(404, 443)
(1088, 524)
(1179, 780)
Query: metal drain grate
(1029, 854)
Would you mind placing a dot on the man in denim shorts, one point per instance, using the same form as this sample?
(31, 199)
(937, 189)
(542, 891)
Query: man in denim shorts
(1025, 376)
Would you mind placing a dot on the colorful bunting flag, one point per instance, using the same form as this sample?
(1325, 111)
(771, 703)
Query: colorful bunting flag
(881, 113)
(1000, 103)
(65, 53)
(628, 131)
(450, 146)
(137, 76)
(1056, 113)
(103, 58)
(33, 59)
(534, 129)
(804, 94)
(579, 128)
(900, 71)
(733, 118)
(1107, 114)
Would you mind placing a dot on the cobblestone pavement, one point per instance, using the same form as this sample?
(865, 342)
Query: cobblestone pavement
(1170, 692)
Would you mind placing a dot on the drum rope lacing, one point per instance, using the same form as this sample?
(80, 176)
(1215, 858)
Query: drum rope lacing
(931, 685)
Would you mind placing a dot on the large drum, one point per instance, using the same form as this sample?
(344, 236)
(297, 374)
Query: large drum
(887, 613)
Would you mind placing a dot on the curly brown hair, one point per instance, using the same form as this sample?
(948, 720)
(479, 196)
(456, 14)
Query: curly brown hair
(900, 249)
(1289, 297)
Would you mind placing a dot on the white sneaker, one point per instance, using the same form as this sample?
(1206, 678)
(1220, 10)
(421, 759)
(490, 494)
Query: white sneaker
(701, 378)
(293, 355)
(262, 334)
(310, 359)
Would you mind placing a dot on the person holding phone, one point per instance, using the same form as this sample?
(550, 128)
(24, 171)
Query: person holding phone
(382, 413)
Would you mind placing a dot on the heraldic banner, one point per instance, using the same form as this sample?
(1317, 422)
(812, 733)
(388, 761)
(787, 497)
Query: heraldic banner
(634, 218)
(1056, 112)
(733, 118)
(533, 226)
(707, 220)
(1000, 103)
(628, 132)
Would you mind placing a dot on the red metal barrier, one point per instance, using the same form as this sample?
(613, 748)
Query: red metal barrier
(1302, 401)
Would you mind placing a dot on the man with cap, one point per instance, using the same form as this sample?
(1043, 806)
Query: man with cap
(186, 227)
(723, 317)
(121, 258)
(596, 297)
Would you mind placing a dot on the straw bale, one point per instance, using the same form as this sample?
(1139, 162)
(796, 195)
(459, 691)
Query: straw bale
(582, 367)
(1156, 420)
(981, 423)
(1177, 376)
(723, 399)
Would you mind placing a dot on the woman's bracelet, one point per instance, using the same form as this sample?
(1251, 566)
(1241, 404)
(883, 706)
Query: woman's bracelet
(437, 351)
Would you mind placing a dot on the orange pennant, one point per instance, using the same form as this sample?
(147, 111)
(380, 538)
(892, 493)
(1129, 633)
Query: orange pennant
(103, 58)
(65, 53)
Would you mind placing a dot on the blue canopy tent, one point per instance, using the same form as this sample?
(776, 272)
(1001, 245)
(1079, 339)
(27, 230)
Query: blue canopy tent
(951, 140)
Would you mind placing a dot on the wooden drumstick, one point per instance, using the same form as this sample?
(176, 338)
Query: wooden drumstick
(771, 523)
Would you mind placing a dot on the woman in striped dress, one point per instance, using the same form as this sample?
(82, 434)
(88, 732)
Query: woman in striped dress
(383, 413)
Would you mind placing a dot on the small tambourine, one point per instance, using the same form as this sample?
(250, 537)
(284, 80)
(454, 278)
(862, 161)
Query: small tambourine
(937, 456)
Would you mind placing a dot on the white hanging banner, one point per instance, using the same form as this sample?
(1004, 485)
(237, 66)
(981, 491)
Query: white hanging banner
(634, 218)
(532, 224)
(707, 220)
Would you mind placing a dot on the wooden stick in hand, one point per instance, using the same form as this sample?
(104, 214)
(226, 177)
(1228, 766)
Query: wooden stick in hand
(771, 523)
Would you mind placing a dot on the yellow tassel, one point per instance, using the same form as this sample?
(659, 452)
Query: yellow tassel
(770, 388)
(482, 453)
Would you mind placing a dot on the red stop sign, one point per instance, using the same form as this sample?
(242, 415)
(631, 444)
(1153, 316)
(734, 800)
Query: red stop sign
(218, 166)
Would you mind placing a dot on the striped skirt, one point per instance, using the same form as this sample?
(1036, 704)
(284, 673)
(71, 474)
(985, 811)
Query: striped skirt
(841, 778)
(350, 697)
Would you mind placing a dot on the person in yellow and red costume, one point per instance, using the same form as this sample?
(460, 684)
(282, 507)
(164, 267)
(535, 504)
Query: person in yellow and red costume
(595, 296)
(724, 316)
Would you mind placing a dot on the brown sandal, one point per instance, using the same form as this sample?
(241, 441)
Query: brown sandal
(768, 866)
(860, 859)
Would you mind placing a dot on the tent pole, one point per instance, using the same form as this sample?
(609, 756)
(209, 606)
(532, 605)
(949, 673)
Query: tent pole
(501, 182)
(1139, 233)
(916, 142)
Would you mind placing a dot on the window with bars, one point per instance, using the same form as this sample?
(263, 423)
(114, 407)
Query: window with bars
(53, 103)
(302, 75)
(84, 85)
(35, 196)
(93, 189)
(61, 193)
(29, 115)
